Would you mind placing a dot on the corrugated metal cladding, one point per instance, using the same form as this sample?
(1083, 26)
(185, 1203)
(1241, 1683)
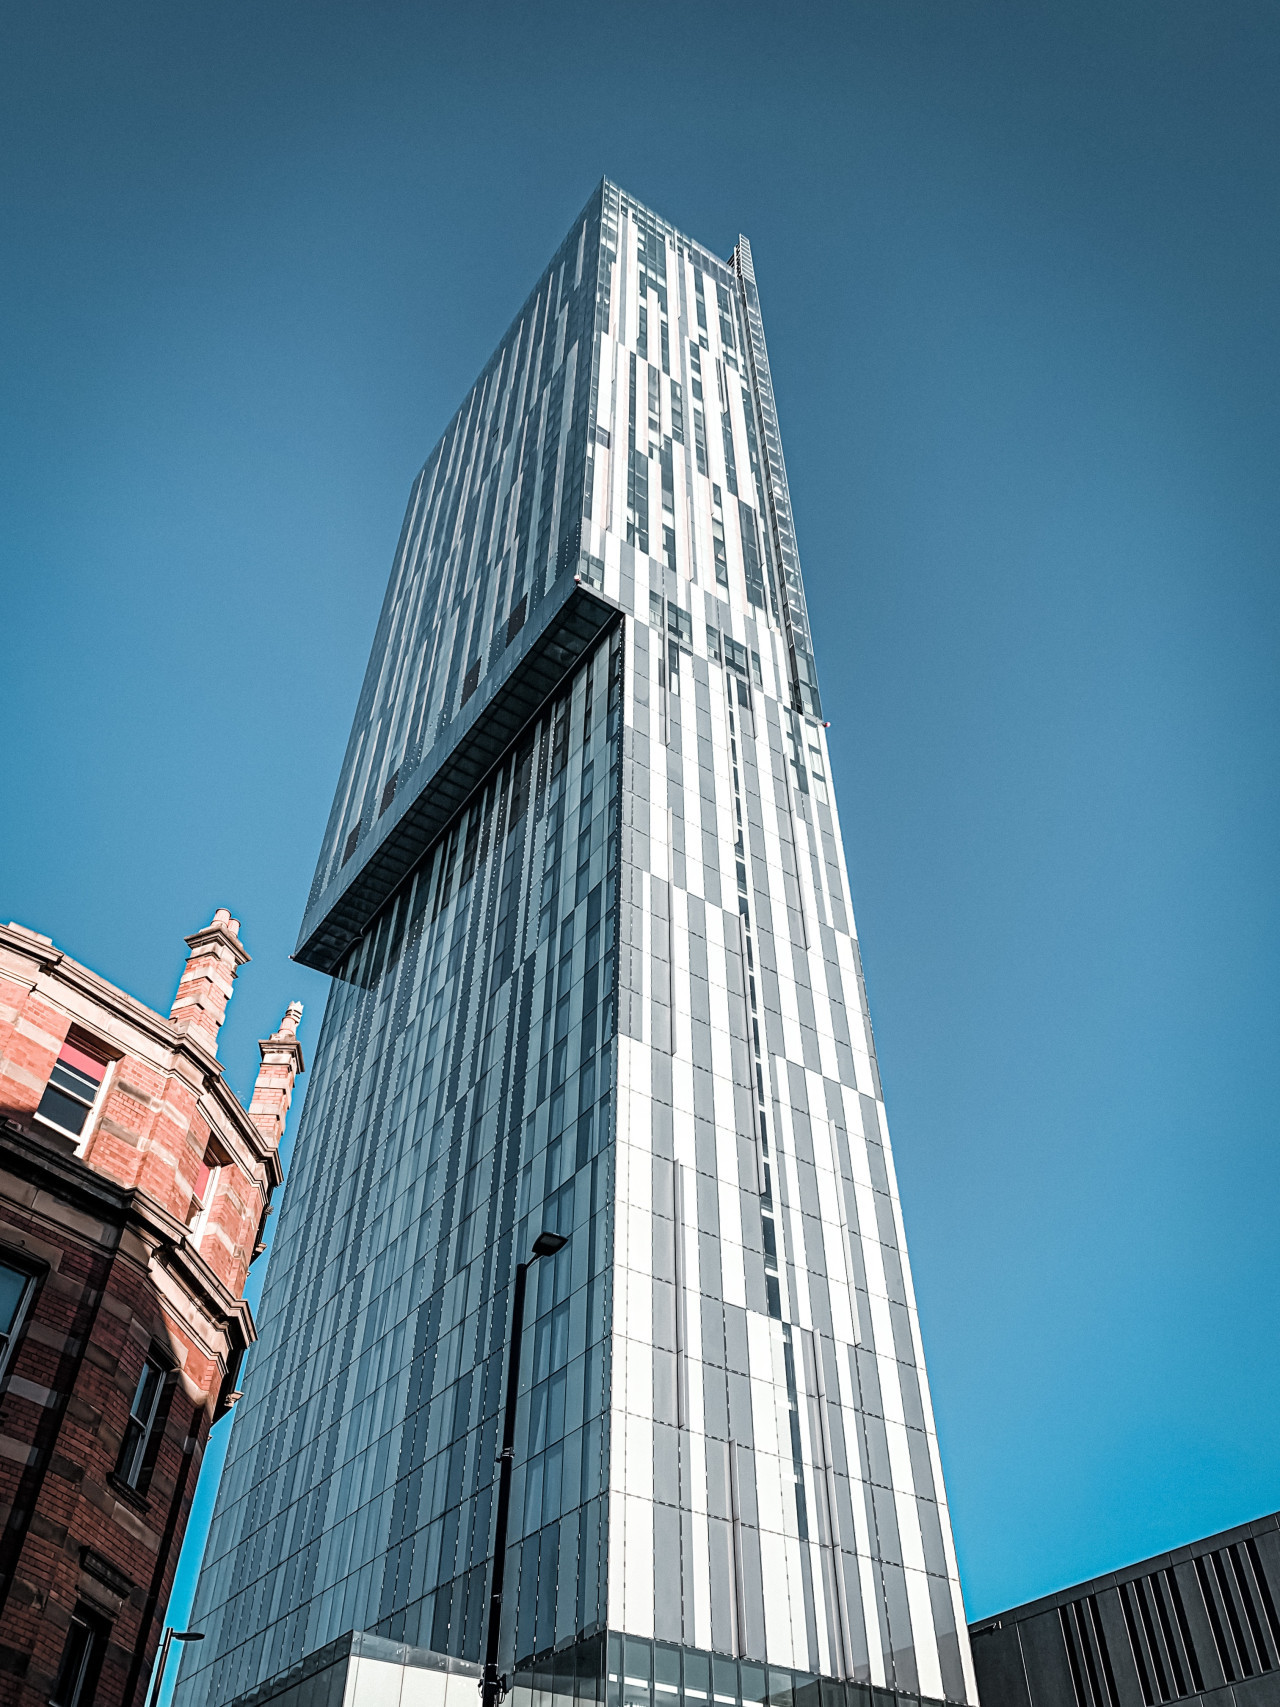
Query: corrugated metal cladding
(1199, 1623)
(618, 993)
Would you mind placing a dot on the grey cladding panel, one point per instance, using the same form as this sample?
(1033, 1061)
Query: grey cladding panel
(1046, 1662)
(997, 1659)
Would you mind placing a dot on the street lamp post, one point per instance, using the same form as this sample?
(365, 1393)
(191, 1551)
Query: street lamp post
(170, 1635)
(493, 1686)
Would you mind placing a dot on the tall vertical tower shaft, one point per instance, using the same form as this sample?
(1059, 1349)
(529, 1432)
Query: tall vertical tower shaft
(583, 896)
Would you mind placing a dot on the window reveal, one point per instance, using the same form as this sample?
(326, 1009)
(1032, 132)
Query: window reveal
(637, 475)
(668, 478)
(730, 463)
(816, 773)
(751, 555)
(81, 1659)
(205, 1187)
(677, 412)
(726, 317)
(638, 500)
(717, 538)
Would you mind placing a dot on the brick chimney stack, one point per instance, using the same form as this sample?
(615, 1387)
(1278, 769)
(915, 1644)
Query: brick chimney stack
(205, 986)
(281, 1063)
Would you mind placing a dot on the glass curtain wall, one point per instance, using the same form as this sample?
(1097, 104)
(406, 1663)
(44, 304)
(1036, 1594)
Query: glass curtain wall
(619, 995)
(463, 1094)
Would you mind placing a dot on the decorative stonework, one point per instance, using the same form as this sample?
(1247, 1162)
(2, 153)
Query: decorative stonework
(136, 1233)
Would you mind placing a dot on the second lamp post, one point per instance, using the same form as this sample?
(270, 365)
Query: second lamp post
(493, 1686)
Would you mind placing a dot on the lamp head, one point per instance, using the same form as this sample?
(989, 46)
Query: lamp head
(188, 1635)
(547, 1244)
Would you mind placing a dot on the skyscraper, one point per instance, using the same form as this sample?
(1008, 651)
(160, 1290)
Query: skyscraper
(583, 898)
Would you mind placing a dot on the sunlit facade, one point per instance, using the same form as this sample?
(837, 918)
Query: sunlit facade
(583, 895)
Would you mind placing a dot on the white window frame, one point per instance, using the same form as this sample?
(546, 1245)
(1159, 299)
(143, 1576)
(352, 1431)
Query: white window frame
(200, 1220)
(130, 1472)
(92, 1109)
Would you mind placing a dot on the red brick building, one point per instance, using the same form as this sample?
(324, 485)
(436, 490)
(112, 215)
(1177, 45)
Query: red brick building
(134, 1190)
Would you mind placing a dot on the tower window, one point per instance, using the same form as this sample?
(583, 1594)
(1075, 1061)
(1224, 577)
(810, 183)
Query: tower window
(669, 548)
(817, 774)
(73, 1087)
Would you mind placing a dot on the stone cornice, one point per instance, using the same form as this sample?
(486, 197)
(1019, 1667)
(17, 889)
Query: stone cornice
(31, 1158)
(284, 1045)
(232, 1314)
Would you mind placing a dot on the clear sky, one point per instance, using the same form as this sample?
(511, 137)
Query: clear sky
(1019, 265)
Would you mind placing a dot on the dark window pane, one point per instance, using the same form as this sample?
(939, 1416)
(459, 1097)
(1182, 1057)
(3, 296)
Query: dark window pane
(134, 1455)
(81, 1659)
(71, 1079)
(13, 1284)
(63, 1110)
(144, 1400)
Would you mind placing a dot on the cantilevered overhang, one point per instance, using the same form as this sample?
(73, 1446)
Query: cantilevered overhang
(428, 799)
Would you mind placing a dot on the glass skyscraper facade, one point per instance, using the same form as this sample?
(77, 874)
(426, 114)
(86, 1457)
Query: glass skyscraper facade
(583, 897)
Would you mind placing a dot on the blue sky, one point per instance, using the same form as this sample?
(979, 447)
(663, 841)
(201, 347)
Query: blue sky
(1019, 267)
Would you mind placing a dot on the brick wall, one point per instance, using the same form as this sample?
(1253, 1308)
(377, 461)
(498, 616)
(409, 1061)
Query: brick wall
(139, 1233)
